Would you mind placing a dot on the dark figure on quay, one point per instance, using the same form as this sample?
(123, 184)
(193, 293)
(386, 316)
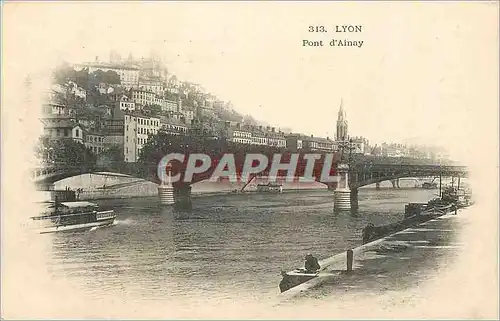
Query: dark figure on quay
(367, 233)
(311, 265)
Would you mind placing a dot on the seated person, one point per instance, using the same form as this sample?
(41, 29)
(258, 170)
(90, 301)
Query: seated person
(311, 265)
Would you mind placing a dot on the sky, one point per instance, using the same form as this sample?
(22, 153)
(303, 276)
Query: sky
(423, 74)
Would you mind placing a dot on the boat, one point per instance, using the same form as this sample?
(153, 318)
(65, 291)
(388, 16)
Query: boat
(293, 278)
(70, 216)
(427, 185)
(461, 197)
(270, 187)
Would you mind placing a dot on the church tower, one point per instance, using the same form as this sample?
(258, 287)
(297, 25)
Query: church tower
(341, 124)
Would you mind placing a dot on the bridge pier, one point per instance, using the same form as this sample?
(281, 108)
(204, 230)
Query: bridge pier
(354, 198)
(178, 196)
(182, 197)
(166, 194)
(342, 194)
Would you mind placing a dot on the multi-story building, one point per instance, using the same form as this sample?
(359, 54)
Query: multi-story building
(95, 142)
(258, 137)
(55, 109)
(297, 142)
(276, 139)
(359, 145)
(393, 150)
(62, 128)
(318, 143)
(173, 126)
(138, 128)
(129, 74)
(170, 106)
(154, 85)
(146, 98)
(294, 142)
(254, 135)
(188, 115)
(126, 104)
(239, 134)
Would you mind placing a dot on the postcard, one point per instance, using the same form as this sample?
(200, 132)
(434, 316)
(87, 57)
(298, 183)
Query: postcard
(237, 160)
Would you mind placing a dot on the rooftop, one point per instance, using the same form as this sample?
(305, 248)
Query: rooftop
(109, 66)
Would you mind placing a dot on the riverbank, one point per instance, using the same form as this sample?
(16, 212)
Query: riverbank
(395, 262)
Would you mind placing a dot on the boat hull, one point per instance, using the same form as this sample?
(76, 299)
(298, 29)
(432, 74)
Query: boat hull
(75, 227)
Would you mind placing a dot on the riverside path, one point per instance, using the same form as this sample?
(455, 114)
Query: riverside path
(393, 263)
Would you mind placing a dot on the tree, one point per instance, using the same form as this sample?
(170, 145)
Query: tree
(65, 151)
(111, 155)
(164, 143)
(63, 73)
(111, 77)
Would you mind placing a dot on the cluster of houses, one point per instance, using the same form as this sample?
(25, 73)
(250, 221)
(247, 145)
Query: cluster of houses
(149, 100)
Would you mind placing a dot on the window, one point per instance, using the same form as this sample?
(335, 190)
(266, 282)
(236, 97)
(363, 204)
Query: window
(77, 132)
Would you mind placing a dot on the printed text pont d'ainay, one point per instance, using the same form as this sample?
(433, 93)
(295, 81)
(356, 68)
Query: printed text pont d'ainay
(345, 36)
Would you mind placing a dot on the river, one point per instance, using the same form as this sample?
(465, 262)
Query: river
(226, 244)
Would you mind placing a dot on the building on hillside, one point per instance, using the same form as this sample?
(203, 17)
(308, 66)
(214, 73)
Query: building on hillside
(360, 145)
(88, 123)
(105, 89)
(55, 110)
(154, 85)
(170, 106)
(77, 91)
(188, 114)
(253, 135)
(126, 104)
(239, 134)
(318, 144)
(62, 128)
(153, 67)
(129, 74)
(294, 142)
(146, 98)
(138, 128)
(173, 126)
(95, 142)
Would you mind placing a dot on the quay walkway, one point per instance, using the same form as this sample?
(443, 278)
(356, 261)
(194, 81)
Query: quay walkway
(391, 263)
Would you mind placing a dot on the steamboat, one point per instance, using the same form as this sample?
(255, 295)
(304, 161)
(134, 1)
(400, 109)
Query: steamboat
(71, 215)
(270, 187)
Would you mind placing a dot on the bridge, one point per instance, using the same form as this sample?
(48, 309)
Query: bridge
(366, 174)
(362, 172)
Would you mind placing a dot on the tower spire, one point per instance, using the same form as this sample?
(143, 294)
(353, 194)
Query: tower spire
(341, 115)
(341, 123)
